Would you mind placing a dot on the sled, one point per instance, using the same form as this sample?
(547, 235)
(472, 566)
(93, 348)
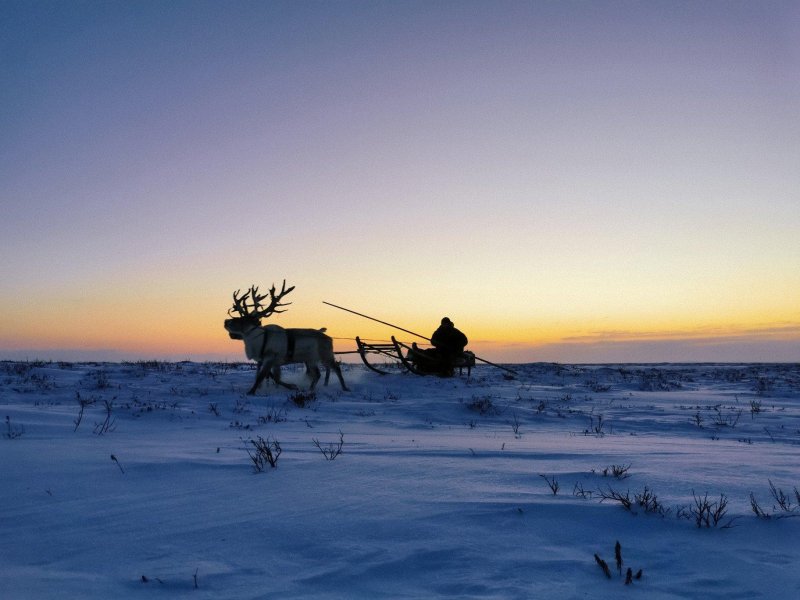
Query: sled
(420, 361)
(384, 349)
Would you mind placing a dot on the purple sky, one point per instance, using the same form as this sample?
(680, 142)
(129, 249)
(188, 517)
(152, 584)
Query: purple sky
(564, 179)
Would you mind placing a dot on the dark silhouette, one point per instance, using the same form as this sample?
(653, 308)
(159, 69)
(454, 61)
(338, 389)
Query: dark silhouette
(448, 340)
(448, 347)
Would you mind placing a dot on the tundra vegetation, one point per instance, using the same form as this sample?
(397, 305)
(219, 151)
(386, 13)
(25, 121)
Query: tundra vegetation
(684, 481)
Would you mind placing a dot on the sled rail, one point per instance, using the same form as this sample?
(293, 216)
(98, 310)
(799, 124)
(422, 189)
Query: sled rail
(410, 357)
(418, 362)
(368, 348)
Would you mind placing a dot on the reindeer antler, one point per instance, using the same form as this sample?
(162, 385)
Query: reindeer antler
(258, 311)
(239, 304)
(274, 303)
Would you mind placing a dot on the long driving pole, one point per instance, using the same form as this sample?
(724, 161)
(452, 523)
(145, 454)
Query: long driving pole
(378, 320)
(496, 365)
(411, 332)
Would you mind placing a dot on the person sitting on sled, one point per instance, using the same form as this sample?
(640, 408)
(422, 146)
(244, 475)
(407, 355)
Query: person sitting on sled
(449, 344)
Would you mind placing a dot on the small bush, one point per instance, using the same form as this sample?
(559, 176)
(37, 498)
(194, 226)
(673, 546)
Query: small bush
(726, 419)
(756, 508)
(617, 471)
(273, 415)
(784, 501)
(648, 500)
(580, 492)
(786, 505)
(263, 453)
(82, 403)
(596, 426)
(241, 406)
(109, 423)
(624, 500)
(331, 450)
(707, 513)
(552, 483)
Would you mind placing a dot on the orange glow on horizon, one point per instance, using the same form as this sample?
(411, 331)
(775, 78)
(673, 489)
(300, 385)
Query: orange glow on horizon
(188, 337)
(552, 207)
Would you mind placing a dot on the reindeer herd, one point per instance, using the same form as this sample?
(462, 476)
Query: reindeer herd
(272, 345)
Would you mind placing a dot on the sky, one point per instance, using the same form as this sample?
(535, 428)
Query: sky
(567, 181)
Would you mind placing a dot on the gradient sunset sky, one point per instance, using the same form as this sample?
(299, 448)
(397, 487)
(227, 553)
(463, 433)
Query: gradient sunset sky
(567, 181)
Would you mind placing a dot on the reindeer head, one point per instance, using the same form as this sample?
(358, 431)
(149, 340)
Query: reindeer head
(250, 316)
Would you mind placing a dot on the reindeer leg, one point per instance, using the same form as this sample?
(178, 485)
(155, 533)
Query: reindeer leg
(336, 369)
(276, 375)
(313, 370)
(263, 371)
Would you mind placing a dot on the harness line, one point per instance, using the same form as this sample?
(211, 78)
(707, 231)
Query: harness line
(412, 333)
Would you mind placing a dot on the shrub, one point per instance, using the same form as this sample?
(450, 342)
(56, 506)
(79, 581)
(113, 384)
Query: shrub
(648, 500)
(580, 492)
(617, 471)
(723, 419)
(332, 450)
(263, 453)
(595, 427)
(273, 415)
(82, 403)
(109, 423)
(623, 499)
(786, 505)
(707, 513)
(552, 483)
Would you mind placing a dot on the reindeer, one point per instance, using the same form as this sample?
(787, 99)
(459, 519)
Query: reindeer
(272, 345)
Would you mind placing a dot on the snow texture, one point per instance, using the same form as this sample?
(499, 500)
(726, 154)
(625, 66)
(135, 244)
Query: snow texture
(444, 488)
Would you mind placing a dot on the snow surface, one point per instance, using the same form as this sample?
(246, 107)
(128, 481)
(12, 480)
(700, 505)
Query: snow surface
(430, 498)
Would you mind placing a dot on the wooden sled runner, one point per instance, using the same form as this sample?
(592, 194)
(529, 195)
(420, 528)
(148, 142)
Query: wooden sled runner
(420, 361)
(385, 349)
